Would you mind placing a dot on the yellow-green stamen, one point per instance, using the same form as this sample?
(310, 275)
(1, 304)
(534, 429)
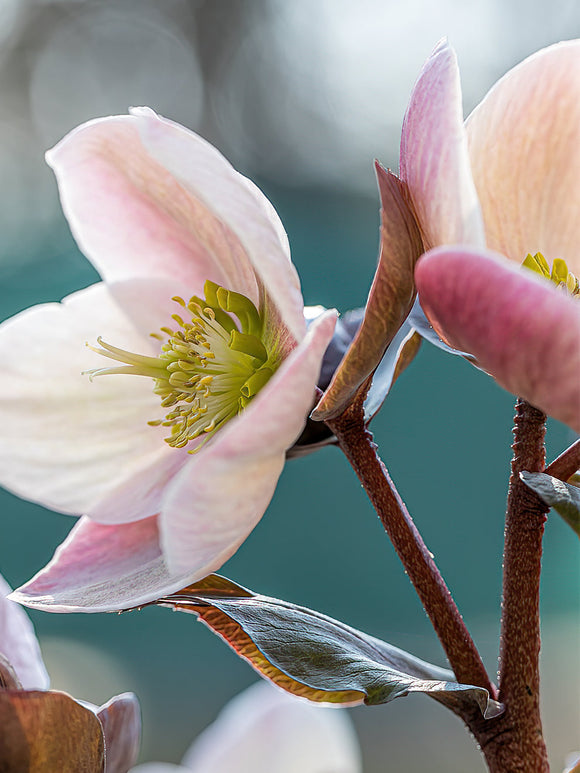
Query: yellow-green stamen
(559, 274)
(210, 367)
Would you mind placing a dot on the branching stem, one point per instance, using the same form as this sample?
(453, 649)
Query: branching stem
(512, 742)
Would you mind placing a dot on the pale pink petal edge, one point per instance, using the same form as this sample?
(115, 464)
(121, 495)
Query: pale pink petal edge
(434, 160)
(18, 643)
(120, 718)
(103, 568)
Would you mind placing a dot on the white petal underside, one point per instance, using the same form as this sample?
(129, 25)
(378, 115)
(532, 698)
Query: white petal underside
(67, 441)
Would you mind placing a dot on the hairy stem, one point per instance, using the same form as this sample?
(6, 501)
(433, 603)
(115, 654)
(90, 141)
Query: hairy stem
(513, 743)
(357, 444)
(519, 674)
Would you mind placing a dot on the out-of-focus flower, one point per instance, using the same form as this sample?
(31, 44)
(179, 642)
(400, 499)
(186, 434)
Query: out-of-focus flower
(42, 729)
(201, 301)
(508, 179)
(265, 730)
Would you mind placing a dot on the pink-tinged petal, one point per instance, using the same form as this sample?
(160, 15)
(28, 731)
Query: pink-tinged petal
(131, 217)
(67, 441)
(206, 175)
(522, 330)
(216, 500)
(121, 721)
(390, 298)
(524, 144)
(101, 568)
(434, 159)
(18, 643)
(265, 730)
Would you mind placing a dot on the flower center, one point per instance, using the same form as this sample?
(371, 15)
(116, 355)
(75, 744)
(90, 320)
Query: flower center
(210, 367)
(559, 274)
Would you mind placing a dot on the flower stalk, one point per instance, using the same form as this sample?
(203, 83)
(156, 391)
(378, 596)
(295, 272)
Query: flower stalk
(519, 679)
(357, 444)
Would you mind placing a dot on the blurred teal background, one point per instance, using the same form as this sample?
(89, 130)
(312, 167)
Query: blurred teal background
(301, 97)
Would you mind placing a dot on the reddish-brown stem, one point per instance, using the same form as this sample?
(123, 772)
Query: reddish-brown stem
(566, 464)
(357, 444)
(514, 742)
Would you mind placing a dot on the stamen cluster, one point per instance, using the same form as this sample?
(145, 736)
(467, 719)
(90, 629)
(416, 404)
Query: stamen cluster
(209, 368)
(559, 274)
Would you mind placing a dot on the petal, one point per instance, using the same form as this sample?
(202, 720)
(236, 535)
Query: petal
(208, 178)
(265, 730)
(217, 499)
(18, 643)
(524, 144)
(66, 441)
(390, 299)
(434, 159)
(141, 494)
(522, 330)
(101, 568)
(121, 721)
(132, 217)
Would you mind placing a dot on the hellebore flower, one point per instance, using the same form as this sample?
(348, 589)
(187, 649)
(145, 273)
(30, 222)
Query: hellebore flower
(42, 729)
(265, 730)
(173, 453)
(508, 178)
(432, 202)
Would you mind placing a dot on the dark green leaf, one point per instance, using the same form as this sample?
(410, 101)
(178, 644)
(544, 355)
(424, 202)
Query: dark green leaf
(315, 656)
(563, 497)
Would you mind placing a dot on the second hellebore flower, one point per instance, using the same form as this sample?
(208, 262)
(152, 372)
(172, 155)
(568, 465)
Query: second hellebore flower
(168, 432)
(508, 181)
(504, 185)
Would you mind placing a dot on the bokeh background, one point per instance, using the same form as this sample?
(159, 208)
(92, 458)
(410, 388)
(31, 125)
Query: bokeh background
(301, 96)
